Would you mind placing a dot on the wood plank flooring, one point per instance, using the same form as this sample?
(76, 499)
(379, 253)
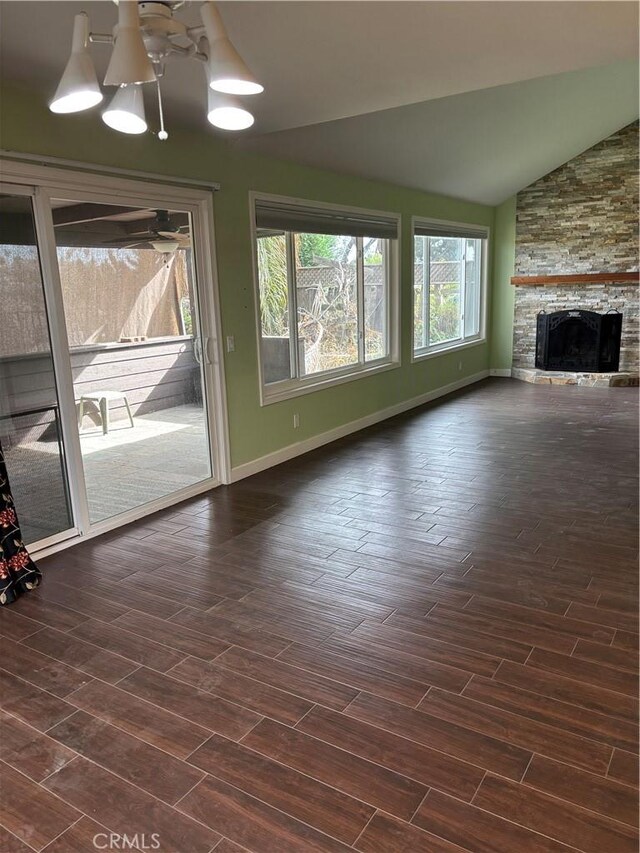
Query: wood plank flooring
(420, 638)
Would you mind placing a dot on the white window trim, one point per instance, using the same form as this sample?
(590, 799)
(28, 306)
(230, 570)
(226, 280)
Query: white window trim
(276, 392)
(422, 353)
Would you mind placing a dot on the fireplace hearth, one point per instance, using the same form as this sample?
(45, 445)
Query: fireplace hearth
(580, 341)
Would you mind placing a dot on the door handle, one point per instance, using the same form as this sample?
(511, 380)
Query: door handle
(205, 350)
(201, 350)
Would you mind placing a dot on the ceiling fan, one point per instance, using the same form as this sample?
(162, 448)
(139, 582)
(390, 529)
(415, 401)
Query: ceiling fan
(163, 234)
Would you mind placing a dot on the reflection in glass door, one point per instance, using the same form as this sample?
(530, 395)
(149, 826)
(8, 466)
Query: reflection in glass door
(30, 423)
(130, 303)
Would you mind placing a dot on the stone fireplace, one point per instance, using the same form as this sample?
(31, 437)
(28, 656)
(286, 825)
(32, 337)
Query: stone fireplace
(577, 250)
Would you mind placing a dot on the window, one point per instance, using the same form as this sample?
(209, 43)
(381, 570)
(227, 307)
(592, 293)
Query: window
(448, 285)
(326, 294)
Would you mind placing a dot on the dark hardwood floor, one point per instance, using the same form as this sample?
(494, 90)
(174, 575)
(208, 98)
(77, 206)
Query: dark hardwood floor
(420, 638)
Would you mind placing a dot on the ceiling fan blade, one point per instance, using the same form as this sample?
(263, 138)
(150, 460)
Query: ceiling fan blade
(124, 243)
(175, 235)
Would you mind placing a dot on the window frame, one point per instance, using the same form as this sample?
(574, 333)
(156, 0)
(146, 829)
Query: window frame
(466, 341)
(296, 386)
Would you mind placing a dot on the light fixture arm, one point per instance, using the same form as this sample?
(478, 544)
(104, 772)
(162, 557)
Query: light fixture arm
(101, 38)
(186, 52)
(196, 33)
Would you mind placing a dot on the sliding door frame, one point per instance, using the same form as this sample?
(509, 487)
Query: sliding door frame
(61, 360)
(58, 357)
(44, 183)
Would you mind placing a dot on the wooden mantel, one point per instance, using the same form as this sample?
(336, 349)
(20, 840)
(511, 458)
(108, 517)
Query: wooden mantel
(584, 278)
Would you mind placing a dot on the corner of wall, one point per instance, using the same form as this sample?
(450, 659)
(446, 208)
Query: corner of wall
(502, 293)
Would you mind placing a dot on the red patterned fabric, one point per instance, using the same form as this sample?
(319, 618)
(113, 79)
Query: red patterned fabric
(18, 572)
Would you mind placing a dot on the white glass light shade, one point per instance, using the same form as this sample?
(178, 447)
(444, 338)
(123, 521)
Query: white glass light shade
(126, 111)
(228, 72)
(167, 247)
(129, 62)
(226, 112)
(78, 88)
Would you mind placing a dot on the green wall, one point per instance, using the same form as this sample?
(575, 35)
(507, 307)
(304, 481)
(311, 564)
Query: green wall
(26, 125)
(502, 292)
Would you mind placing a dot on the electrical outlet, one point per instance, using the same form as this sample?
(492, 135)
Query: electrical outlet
(296, 421)
(459, 365)
(231, 343)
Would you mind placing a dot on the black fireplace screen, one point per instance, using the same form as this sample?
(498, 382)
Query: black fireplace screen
(579, 341)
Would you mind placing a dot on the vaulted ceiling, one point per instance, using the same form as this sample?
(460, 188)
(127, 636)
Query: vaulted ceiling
(470, 99)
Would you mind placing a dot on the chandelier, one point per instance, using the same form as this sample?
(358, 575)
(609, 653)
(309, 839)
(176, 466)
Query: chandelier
(146, 38)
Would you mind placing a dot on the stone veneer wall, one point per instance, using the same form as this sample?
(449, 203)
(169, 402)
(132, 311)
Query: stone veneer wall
(581, 218)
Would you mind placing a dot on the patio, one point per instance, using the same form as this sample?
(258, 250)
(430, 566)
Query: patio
(165, 451)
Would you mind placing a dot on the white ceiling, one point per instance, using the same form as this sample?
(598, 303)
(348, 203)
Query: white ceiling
(419, 93)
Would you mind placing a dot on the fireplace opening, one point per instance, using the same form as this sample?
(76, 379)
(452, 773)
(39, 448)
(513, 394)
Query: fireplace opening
(580, 341)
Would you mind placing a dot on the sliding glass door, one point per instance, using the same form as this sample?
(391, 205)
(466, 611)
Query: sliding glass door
(30, 418)
(109, 397)
(134, 342)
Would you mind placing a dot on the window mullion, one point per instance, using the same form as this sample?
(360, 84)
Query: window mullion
(463, 290)
(461, 305)
(426, 289)
(389, 282)
(294, 354)
(360, 297)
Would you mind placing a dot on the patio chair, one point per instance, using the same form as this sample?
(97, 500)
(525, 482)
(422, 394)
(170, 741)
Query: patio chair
(103, 398)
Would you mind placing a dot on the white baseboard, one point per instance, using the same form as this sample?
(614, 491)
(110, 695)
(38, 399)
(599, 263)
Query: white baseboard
(500, 371)
(239, 472)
